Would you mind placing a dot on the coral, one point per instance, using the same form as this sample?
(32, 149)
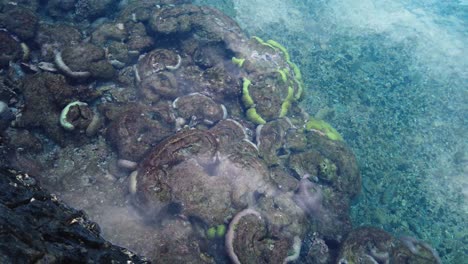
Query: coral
(327, 170)
(63, 115)
(296, 250)
(231, 232)
(94, 125)
(10, 49)
(78, 115)
(288, 71)
(309, 197)
(20, 21)
(135, 128)
(161, 84)
(53, 37)
(198, 108)
(177, 65)
(82, 58)
(323, 128)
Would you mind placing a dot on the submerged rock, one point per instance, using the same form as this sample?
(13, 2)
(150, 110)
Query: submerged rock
(39, 228)
(19, 20)
(45, 95)
(373, 245)
(84, 60)
(10, 49)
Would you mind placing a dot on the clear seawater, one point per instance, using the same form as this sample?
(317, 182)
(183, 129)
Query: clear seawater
(392, 77)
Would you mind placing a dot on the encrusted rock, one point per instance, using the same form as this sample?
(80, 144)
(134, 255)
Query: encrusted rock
(86, 57)
(20, 21)
(157, 61)
(199, 108)
(373, 245)
(46, 94)
(10, 49)
(136, 128)
(54, 37)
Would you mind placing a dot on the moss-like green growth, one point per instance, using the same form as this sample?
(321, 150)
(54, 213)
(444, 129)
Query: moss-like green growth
(327, 170)
(280, 47)
(289, 75)
(258, 39)
(324, 127)
(287, 102)
(284, 108)
(238, 61)
(211, 232)
(220, 230)
(300, 90)
(253, 116)
(246, 98)
(296, 70)
(283, 74)
(263, 42)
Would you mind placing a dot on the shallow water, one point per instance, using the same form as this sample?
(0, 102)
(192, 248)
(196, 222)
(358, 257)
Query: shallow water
(392, 77)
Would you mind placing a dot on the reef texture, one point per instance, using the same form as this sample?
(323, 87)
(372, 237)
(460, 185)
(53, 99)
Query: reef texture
(182, 137)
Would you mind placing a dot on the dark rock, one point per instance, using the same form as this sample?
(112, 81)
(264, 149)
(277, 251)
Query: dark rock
(92, 9)
(60, 8)
(25, 140)
(374, 245)
(135, 128)
(90, 58)
(199, 108)
(6, 116)
(109, 32)
(45, 96)
(38, 228)
(55, 37)
(10, 49)
(19, 21)
(30, 4)
(138, 39)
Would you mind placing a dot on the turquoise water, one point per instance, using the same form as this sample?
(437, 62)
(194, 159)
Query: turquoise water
(392, 77)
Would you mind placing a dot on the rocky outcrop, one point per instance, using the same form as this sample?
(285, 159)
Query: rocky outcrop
(38, 228)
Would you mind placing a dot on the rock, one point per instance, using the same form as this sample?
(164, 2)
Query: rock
(55, 37)
(86, 57)
(10, 49)
(19, 21)
(374, 245)
(45, 95)
(39, 228)
(136, 128)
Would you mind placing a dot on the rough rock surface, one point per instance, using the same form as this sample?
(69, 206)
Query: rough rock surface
(37, 228)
